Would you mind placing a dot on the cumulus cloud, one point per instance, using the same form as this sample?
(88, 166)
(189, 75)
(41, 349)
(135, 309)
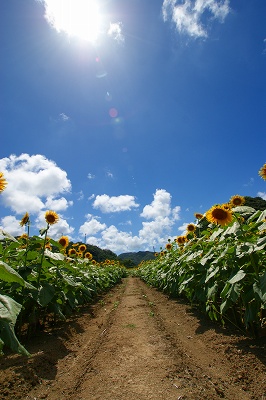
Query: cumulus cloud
(36, 184)
(160, 206)
(187, 15)
(90, 176)
(109, 204)
(160, 216)
(91, 226)
(33, 182)
(115, 31)
(11, 225)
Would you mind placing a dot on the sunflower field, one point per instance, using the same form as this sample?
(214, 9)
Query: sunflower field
(41, 283)
(218, 265)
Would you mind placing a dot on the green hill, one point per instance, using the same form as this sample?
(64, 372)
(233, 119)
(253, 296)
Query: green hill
(134, 258)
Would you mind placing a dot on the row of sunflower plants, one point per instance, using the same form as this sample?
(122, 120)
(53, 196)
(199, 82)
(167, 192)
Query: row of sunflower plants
(219, 264)
(41, 282)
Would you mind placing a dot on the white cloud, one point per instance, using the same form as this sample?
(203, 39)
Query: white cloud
(109, 204)
(115, 31)
(11, 225)
(262, 195)
(160, 206)
(63, 117)
(91, 226)
(33, 181)
(119, 241)
(183, 228)
(90, 176)
(36, 184)
(110, 175)
(187, 15)
(57, 204)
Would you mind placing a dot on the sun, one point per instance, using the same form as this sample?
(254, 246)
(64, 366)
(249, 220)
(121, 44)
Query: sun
(79, 18)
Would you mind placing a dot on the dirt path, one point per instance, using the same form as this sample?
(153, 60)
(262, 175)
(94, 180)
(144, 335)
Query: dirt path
(137, 344)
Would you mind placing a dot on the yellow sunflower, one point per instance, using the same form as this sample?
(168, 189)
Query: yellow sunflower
(82, 248)
(168, 246)
(237, 200)
(51, 217)
(3, 182)
(198, 215)
(191, 228)
(24, 236)
(25, 219)
(227, 206)
(72, 252)
(181, 240)
(64, 241)
(218, 215)
(88, 255)
(262, 172)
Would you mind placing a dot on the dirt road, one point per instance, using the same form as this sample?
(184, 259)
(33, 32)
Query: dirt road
(137, 344)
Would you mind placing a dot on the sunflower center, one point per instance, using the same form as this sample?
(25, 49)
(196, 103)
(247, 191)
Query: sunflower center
(219, 214)
(50, 218)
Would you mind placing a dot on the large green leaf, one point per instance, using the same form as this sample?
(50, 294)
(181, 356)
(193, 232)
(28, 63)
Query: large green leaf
(9, 309)
(237, 277)
(260, 288)
(8, 274)
(8, 337)
(46, 293)
(211, 273)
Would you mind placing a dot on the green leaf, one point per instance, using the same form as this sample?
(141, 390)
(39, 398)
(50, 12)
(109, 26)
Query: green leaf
(237, 277)
(213, 272)
(244, 210)
(8, 337)
(45, 295)
(8, 274)
(54, 256)
(9, 309)
(7, 235)
(260, 288)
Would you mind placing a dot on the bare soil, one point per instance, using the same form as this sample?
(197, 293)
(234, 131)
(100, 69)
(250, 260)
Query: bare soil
(136, 343)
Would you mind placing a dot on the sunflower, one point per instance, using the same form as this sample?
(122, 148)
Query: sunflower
(82, 248)
(181, 240)
(25, 219)
(237, 200)
(218, 215)
(191, 228)
(3, 182)
(51, 217)
(168, 246)
(24, 236)
(227, 206)
(262, 172)
(88, 255)
(198, 215)
(64, 241)
(72, 252)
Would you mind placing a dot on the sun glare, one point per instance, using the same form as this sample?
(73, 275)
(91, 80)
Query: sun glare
(80, 18)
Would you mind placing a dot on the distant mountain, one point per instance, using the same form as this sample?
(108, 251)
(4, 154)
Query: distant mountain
(136, 257)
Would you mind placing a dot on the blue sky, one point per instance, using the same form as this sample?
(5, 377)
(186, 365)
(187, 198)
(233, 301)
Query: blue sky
(157, 113)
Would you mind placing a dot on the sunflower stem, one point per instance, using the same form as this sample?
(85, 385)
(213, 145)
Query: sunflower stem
(42, 257)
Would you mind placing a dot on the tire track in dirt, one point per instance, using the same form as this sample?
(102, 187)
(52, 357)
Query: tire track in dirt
(137, 344)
